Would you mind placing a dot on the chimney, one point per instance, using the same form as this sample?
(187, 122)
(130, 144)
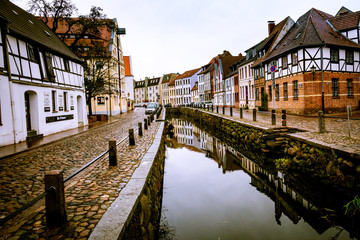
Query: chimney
(271, 25)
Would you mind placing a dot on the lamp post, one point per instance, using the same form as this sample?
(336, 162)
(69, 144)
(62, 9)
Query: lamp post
(313, 69)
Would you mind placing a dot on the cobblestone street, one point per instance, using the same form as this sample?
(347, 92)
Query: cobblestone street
(87, 196)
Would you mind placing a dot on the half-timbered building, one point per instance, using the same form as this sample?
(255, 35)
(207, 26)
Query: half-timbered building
(316, 67)
(41, 79)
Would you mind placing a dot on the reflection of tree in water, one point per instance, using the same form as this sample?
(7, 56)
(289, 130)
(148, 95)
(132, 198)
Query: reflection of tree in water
(166, 232)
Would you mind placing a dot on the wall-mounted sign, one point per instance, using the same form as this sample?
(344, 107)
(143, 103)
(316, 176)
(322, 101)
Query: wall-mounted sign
(46, 102)
(100, 100)
(59, 118)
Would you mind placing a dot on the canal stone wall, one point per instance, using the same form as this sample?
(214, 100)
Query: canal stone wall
(291, 152)
(135, 214)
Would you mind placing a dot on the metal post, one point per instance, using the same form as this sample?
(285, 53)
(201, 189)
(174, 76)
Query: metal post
(140, 129)
(321, 122)
(112, 152)
(223, 108)
(208, 107)
(55, 200)
(212, 108)
(231, 111)
(241, 112)
(217, 109)
(273, 117)
(131, 137)
(283, 118)
(145, 124)
(254, 115)
(149, 121)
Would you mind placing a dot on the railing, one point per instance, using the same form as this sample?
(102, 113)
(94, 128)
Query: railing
(56, 215)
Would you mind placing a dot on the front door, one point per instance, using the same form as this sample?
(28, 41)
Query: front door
(27, 111)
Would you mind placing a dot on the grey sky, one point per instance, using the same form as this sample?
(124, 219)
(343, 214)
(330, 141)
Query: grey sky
(169, 36)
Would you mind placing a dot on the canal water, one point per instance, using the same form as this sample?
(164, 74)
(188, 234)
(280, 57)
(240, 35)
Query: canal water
(212, 191)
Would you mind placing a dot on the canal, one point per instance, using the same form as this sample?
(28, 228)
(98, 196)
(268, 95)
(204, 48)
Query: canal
(212, 191)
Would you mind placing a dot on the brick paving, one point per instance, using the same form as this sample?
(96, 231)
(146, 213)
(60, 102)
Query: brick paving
(88, 195)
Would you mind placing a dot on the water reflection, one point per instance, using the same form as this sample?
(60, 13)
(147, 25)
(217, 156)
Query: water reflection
(243, 212)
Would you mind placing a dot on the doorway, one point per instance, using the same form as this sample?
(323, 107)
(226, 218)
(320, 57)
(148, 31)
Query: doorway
(27, 111)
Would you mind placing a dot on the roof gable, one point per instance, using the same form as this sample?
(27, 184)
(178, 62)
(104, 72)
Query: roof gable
(28, 26)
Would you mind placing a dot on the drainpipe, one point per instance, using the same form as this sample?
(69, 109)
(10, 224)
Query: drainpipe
(5, 30)
(322, 83)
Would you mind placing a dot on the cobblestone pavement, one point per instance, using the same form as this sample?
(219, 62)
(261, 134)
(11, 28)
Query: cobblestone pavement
(336, 127)
(87, 196)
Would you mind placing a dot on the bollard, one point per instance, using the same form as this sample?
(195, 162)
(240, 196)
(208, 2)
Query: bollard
(321, 122)
(140, 129)
(149, 122)
(55, 199)
(223, 108)
(145, 124)
(131, 137)
(254, 115)
(217, 109)
(212, 108)
(273, 117)
(283, 116)
(208, 107)
(112, 152)
(241, 112)
(231, 113)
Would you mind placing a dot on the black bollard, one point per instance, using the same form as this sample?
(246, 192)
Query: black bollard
(283, 116)
(149, 121)
(217, 109)
(112, 152)
(145, 124)
(55, 199)
(231, 112)
(241, 112)
(223, 108)
(254, 115)
(140, 129)
(212, 108)
(131, 137)
(321, 122)
(273, 117)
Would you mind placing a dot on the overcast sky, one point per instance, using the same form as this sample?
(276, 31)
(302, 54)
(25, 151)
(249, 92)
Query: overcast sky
(173, 36)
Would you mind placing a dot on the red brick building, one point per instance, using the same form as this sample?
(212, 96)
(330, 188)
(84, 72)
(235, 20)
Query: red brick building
(317, 65)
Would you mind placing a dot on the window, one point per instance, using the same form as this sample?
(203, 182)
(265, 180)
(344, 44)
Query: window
(31, 52)
(100, 100)
(66, 65)
(49, 66)
(350, 90)
(349, 57)
(53, 97)
(335, 87)
(334, 55)
(296, 89)
(284, 62)
(277, 92)
(270, 92)
(286, 94)
(257, 94)
(99, 65)
(294, 58)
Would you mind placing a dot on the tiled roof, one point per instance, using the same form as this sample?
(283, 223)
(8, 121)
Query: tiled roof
(28, 26)
(311, 29)
(346, 21)
(195, 87)
(187, 74)
(169, 77)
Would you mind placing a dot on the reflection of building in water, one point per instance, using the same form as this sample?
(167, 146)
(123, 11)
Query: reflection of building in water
(183, 131)
(287, 200)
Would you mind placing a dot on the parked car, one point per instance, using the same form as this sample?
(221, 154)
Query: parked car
(208, 103)
(151, 107)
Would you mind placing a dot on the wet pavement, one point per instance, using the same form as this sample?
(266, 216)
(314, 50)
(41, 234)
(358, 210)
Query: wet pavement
(88, 195)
